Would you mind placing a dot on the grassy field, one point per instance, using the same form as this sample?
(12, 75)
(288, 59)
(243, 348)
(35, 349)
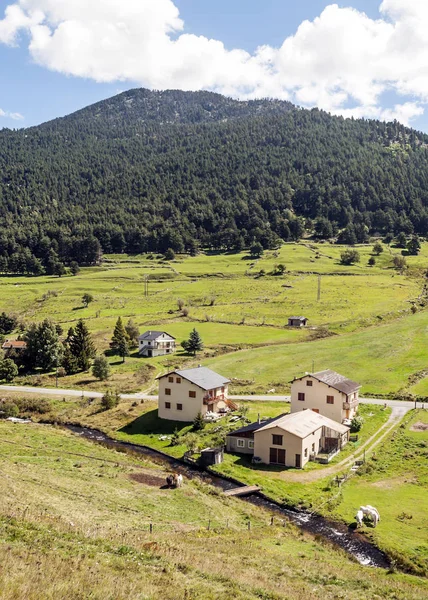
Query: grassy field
(236, 308)
(74, 523)
(395, 481)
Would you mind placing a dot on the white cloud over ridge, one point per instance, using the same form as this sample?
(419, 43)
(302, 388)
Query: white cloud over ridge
(342, 61)
(15, 116)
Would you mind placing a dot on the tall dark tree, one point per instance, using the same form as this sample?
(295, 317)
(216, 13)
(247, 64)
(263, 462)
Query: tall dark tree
(120, 340)
(44, 349)
(194, 344)
(80, 348)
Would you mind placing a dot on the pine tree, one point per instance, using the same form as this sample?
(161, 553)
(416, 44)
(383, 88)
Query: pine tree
(101, 368)
(81, 347)
(132, 332)
(43, 346)
(194, 344)
(120, 340)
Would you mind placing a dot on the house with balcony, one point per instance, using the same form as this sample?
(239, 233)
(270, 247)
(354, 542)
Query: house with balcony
(327, 393)
(156, 343)
(185, 393)
(290, 440)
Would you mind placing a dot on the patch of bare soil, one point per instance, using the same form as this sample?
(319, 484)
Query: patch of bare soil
(419, 426)
(148, 479)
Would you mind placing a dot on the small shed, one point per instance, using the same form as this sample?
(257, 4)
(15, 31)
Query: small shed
(211, 456)
(297, 321)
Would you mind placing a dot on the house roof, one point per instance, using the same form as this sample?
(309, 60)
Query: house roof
(298, 318)
(153, 335)
(303, 423)
(337, 381)
(202, 377)
(253, 426)
(8, 344)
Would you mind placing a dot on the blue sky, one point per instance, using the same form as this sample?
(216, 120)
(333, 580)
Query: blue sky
(344, 61)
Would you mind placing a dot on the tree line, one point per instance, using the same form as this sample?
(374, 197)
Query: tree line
(152, 172)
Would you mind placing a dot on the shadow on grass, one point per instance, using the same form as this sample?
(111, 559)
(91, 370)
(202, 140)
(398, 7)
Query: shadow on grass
(79, 307)
(150, 423)
(244, 461)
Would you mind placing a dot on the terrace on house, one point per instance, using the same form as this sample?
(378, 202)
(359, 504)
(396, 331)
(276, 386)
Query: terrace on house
(290, 440)
(297, 321)
(326, 392)
(185, 393)
(156, 343)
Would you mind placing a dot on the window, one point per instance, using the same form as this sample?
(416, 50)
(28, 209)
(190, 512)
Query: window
(179, 407)
(330, 399)
(178, 380)
(167, 391)
(171, 379)
(309, 383)
(167, 404)
(250, 444)
(240, 443)
(277, 440)
(313, 447)
(306, 453)
(192, 394)
(301, 396)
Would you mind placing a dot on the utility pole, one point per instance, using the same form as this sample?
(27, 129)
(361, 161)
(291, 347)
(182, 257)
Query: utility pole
(146, 286)
(319, 288)
(313, 366)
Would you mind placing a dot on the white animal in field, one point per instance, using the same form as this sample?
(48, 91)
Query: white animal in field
(372, 508)
(178, 480)
(359, 518)
(370, 511)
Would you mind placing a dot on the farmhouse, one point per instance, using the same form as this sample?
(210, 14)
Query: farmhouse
(297, 321)
(184, 394)
(290, 440)
(156, 343)
(13, 347)
(326, 392)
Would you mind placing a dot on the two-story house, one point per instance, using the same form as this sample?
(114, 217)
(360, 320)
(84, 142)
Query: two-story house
(289, 440)
(185, 393)
(156, 343)
(326, 393)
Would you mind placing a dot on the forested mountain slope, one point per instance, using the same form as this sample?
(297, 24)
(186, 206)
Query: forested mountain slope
(156, 170)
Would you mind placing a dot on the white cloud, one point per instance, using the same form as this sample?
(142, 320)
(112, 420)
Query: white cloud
(340, 59)
(11, 115)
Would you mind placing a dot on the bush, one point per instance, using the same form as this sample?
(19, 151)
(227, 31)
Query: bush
(349, 257)
(101, 368)
(8, 370)
(110, 400)
(372, 261)
(34, 405)
(198, 423)
(399, 262)
(356, 424)
(8, 409)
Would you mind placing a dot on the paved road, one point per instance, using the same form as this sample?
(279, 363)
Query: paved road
(141, 396)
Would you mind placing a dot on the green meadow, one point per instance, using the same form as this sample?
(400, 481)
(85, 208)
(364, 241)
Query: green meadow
(240, 307)
(74, 523)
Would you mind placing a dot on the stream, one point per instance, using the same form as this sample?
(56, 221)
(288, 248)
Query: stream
(354, 543)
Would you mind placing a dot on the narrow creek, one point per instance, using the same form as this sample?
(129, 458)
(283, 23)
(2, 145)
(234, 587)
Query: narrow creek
(355, 544)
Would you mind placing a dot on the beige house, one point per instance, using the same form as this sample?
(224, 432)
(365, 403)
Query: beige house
(328, 393)
(290, 440)
(183, 394)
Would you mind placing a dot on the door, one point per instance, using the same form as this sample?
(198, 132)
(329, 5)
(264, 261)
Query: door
(281, 456)
(277, 456)
(273, 456)
(150, 353)
(298, 461)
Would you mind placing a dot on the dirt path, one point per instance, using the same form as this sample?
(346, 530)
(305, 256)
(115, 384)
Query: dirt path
(398, 412)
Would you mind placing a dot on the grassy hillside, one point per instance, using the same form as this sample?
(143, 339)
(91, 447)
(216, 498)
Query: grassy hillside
(237, 303)
(74, 524)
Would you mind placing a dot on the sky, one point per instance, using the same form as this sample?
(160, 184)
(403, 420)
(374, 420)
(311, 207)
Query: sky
(361, 58)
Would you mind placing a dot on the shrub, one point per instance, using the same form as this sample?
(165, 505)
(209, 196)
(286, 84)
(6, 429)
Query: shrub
(34, 405)
(399, 262)
(356, 424)
(8, 370)
(349, 257)
(110, 400)
(377, 248)
(372, 261)
(198, 423)
(8, 409)
(101, 368)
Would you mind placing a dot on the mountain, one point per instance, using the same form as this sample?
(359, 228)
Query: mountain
(148, 171)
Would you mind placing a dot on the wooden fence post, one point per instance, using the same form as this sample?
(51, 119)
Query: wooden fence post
(151, 527)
